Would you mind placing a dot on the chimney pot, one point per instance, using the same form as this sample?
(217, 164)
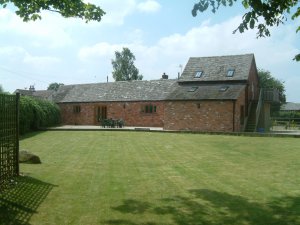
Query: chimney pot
(31, 88)
(165, 76)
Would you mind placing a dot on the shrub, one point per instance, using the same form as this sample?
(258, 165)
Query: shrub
(36, 113)
(294, 114)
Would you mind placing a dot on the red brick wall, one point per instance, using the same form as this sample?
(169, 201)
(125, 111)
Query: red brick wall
(237, 122)
(130, 112)
(175, 115)
(211, 116)
(84, 117)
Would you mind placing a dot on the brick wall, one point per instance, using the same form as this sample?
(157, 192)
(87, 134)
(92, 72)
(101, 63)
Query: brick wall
(84, 117)
(172, 115)
(199, 115)
(175, 115)
(240, 102)
(130, 112)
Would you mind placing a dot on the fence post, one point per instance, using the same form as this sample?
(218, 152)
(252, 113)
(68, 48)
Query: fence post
(17, 133)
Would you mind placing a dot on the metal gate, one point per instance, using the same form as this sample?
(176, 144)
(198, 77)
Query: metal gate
(9, 139)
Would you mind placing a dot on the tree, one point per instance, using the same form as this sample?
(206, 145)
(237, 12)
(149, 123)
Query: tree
(31, 10)
(262, 14)
(54, 86)
(1, 89)
(267, 81)
(123, 66)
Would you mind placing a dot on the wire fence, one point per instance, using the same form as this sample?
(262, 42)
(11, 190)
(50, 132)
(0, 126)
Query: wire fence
(9, 139)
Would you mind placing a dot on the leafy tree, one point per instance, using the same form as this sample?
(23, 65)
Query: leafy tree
(36, 113)
(31, 10)
(123, 66)
(1, 89)
(54, 86)
(262, 14)
(266, 80)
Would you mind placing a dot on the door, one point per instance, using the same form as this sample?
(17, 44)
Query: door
(100, 114)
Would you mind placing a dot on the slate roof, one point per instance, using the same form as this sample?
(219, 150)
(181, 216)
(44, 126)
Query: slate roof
(290, 106)
(215, 68)
(43, 94)
(157, 90)
(154, 90)
(207, 92)
(206, 87)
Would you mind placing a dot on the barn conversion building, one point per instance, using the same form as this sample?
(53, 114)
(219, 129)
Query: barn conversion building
(212, 94)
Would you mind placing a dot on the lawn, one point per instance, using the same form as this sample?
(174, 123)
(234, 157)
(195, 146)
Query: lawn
(144, 178)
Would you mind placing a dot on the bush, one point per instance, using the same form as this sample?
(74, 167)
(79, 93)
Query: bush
(294, 114)
(36, 113)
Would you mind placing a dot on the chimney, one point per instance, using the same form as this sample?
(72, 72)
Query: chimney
(165, 76)
(31, 88)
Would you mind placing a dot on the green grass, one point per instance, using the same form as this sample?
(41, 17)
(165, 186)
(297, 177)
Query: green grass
(136, 178)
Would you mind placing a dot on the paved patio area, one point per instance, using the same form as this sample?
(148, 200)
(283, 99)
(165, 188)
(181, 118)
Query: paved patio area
(279, 133)
(86, 127)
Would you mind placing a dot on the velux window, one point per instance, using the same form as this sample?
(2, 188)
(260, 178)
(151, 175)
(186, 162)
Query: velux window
(192, 89)
(230, 73)
(198, 74)
(223, 88)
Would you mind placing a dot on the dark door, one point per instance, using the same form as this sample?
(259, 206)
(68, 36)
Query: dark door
(100, 113)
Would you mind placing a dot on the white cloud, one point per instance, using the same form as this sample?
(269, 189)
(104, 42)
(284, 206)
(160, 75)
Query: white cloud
(14, 61)
(45, 32)
(11, 51)
(100, 50)
(15, 54)
(116, 11)
(41, 61)
(149, 6)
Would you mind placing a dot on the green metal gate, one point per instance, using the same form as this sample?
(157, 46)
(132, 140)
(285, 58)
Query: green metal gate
(9, 139)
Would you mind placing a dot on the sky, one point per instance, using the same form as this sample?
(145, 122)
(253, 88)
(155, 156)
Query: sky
(161, 34)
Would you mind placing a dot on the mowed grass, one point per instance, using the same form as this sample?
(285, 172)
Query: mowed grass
(143, 178)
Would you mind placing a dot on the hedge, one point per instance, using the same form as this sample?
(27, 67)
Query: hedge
(36, 113)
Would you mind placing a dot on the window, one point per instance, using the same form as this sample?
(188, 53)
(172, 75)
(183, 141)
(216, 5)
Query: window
(230, 73)
(148, 108)
(223, 88)
(198, 74)
(76, 109)
(192, 89)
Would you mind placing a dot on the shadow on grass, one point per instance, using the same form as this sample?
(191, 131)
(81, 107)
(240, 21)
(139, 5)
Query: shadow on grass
(210, 207)
(133, 206)
(30, 134)
(19, 203)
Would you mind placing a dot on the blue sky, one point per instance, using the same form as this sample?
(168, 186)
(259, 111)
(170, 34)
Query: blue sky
(161, 34)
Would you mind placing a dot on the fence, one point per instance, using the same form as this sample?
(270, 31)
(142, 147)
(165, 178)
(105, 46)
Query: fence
(286, 122)
(9, 139)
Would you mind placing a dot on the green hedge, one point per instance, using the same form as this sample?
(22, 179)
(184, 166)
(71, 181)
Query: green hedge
(294, 114)
(36, 113)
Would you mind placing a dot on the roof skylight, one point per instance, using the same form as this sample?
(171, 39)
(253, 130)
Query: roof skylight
(230, 73)
(192, 89)
(223, 88)
(198, 74)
